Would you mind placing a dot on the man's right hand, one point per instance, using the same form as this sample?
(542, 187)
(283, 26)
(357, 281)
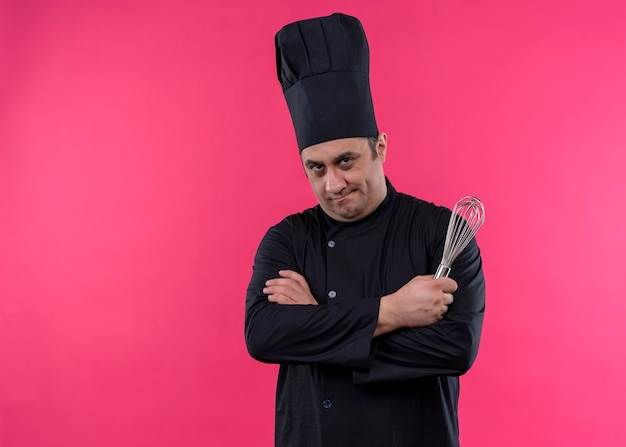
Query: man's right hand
(420, 302)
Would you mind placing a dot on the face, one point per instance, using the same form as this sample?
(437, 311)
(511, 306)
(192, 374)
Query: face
(346, 178)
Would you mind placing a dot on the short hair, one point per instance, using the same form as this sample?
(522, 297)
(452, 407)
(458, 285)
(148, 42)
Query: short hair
(373, 142)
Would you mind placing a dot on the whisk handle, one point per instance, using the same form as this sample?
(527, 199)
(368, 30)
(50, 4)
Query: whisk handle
(442, 270)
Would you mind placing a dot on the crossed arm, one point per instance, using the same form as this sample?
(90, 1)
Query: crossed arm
(415, 331)
(421, 302)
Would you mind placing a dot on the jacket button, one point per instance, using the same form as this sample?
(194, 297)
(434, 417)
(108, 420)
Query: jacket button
(332, 294)
(331, 244)
(327, 403)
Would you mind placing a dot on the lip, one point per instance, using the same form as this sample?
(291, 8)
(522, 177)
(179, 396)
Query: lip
(342, 197)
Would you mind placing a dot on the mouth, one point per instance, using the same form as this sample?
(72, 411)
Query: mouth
(341, 197)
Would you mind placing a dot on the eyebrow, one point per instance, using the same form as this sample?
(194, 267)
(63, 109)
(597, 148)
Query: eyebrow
(337, 159)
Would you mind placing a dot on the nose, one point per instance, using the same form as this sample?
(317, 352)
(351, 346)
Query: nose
(334, 182)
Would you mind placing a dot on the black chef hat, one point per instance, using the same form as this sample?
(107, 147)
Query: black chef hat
(323, 67)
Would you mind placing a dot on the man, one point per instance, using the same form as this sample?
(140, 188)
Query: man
(370, 346)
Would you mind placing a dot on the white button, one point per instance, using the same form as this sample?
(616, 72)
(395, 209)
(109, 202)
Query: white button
(332, 294)
(331, 244)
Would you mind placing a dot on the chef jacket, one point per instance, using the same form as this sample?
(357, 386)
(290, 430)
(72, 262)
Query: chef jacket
(337, 385)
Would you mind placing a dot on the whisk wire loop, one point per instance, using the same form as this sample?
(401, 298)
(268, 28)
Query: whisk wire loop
(467, 217)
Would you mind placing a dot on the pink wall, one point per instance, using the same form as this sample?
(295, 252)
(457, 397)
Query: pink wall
(145, 148)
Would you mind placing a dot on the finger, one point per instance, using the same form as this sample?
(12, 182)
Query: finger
(279, 298)
(425, 277)
(281, 282)
(284, 286)
(447, 285)
(282, 289)
(277, 282)
(284, 274)
(448, 299)
(295, 276)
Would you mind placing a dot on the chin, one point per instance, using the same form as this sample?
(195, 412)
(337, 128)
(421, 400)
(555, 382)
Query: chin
(349, 216)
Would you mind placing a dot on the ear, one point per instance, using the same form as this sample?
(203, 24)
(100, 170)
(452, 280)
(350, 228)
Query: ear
(381, 146)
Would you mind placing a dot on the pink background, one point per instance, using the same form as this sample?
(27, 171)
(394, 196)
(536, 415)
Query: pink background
(145, 148)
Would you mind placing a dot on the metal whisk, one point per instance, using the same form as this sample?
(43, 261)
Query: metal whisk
(467, 217)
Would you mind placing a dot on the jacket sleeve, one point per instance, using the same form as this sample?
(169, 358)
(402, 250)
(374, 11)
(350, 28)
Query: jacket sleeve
(448, 347)
(337, 334)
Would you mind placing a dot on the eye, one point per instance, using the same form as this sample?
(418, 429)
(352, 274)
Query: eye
(317, 168)
(345, 162)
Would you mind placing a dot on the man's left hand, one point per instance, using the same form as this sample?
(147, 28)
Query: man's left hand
(290, 288)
